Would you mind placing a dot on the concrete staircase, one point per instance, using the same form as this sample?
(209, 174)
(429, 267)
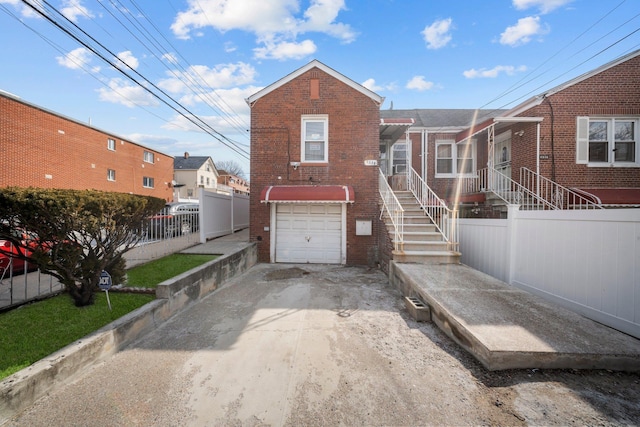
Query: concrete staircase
(423, 243)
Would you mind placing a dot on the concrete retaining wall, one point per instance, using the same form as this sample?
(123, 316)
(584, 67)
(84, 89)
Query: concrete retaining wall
(23, 388)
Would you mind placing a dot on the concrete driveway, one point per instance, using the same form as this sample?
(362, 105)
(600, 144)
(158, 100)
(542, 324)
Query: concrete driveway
(319, 345)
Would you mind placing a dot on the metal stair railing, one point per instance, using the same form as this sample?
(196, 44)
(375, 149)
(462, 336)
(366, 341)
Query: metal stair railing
(444, 218)
(506, 189)
(394, 211)
(555, 194)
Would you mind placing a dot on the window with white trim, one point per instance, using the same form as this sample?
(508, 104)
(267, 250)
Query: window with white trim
(111, 144)
(608, 141)
(315, 139)
(111, 175)
(455, 159)
(147, 182)
(148, 156)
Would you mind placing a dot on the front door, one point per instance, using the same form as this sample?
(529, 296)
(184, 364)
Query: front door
(502, 153)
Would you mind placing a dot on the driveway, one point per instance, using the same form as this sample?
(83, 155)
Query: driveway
(320, 345)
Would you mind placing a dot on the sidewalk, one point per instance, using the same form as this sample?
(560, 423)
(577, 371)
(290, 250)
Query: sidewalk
(224, 245)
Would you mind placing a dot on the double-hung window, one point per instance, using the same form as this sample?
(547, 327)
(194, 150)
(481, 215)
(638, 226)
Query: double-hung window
(148, 156)
(455, 159)
(609, 141)
(147, 182)
(315, 139)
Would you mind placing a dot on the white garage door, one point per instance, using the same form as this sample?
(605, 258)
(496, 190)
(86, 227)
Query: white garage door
(308, 233)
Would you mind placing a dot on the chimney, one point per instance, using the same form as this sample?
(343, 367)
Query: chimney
(186, 155)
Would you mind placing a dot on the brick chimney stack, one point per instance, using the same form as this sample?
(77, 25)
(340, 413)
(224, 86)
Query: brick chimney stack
(186, 155)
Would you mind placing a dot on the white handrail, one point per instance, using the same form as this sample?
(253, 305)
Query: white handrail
(511, 192)
(394, 210)
(444, 218)
(557, 195)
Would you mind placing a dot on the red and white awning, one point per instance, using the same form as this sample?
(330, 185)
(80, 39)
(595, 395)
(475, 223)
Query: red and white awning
(307, 194)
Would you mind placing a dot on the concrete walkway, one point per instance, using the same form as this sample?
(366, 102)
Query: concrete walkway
(505, 327)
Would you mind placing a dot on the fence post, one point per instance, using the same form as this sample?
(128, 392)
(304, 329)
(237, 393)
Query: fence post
(512, 235)
(233, 223)
(201, 194)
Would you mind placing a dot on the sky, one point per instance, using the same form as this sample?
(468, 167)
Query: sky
(173, 75)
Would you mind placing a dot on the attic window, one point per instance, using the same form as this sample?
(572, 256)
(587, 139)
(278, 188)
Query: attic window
(314, 88)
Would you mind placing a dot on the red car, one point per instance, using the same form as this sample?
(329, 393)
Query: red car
(9, 263)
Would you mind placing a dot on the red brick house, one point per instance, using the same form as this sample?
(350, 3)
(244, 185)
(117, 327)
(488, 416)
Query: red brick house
(574, 146)
(43, 149)
(314, 153)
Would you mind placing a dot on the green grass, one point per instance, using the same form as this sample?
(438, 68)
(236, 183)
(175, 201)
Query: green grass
(33, 331)
(150, 274)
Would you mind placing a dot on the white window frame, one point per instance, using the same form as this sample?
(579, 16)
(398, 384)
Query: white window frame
(111, 144)
(148, 156)
(582, 141)
(111, 175)
(396, 148)
(147, 182)
(323, 118)
(455, 148)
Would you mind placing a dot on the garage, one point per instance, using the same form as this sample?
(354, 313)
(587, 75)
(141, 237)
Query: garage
(308, 223)
(309, 233)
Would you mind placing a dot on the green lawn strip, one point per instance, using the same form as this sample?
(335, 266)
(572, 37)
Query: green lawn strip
(157, 271)
(33, 331)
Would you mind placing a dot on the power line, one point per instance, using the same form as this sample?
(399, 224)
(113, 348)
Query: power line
(190, 116)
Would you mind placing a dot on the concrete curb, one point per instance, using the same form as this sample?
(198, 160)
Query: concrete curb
(23, 388)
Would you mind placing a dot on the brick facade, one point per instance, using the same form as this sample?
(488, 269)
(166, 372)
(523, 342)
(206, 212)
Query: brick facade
(611, 92)
(43, 149)
(614, 92)
(353, 126)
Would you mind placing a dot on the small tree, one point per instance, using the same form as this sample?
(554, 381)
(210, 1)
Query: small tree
(74, 235)
(232, 167)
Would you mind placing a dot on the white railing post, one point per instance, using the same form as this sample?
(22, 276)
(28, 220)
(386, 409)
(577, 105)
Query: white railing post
(394, 210)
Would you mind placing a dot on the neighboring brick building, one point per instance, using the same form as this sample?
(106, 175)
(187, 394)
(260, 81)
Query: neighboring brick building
(43, 149)
(314, 151)
(548, 135)
(238, 184)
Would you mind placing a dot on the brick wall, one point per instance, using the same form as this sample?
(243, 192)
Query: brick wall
(612, 93)
(42, 149)
(353, 138)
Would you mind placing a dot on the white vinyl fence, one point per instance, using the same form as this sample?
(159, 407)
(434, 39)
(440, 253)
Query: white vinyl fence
(587, 261)
(222, 214)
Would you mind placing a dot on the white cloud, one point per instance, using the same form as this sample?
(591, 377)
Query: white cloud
(128, 58)
(419, 83)
(275, 23)
(76, 59)
(523, 31)
(494, 72)
(545, 6)
(72, 9)
(25, 11)
(122, 92)
(437, 34)
(321, 15)
(170, 58)
(220, 76)
(285, 50)
(371, 85)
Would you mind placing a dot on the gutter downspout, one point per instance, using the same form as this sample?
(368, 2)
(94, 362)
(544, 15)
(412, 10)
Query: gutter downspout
(538, 158)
